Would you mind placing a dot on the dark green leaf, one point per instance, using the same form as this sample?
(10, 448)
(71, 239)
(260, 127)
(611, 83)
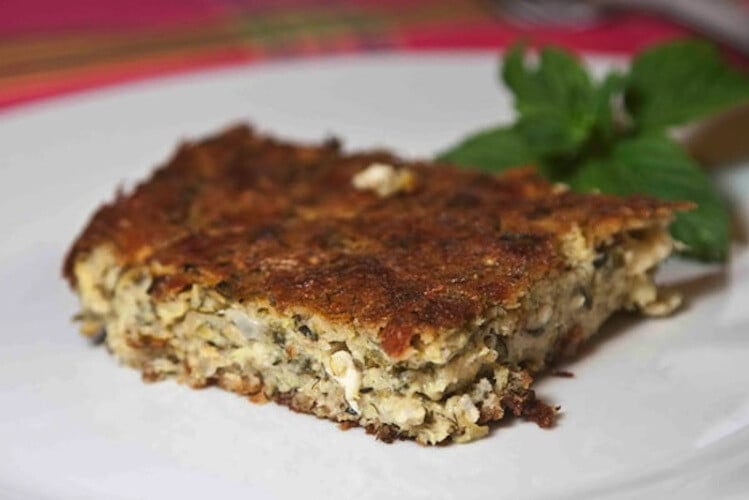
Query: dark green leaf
(554, 132)
(494, 150)
(558, 104)
(558, 80)
(679, 82)
(657, 166)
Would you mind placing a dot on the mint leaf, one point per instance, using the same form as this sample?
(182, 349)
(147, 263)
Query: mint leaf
(678, 82)
(493, 149)
(553, 132)
(556, 100)
(657, 166)
(559, 80)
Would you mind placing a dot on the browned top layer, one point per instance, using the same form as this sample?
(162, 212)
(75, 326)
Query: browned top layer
(256, 218)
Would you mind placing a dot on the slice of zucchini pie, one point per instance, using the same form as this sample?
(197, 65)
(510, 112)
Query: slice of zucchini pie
(413, 299)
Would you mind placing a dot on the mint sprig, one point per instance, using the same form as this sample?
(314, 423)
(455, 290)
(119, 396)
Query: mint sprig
(610, 136)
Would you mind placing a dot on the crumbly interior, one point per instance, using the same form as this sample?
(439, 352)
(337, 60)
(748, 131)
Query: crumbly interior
(449, 388)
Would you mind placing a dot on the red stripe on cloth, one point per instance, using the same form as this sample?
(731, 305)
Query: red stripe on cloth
(26, 17)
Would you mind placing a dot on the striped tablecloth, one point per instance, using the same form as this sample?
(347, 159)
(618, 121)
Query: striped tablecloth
(49, 47)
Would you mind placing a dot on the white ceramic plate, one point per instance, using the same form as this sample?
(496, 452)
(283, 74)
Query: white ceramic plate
(659, 408)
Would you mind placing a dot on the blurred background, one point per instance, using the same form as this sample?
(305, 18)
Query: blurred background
(49, 48)
(66, 433)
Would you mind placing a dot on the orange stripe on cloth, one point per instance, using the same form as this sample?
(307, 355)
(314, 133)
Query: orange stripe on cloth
(24, 88)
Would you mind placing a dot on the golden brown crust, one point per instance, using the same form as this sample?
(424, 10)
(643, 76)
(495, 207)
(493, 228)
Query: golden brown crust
(260, 219)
